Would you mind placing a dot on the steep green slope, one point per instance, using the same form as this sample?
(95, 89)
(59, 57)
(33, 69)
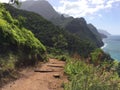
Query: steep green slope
(79, 27)
(51, 35)
(43, 29)
(17, 40)
(94, 30)
(18, 46)
(73, 25)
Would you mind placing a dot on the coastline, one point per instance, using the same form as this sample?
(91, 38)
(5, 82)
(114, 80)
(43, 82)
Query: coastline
(111, 46)
(105, 44)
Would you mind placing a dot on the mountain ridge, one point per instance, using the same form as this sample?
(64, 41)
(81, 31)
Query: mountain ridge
(50, 35)
(64, 22)
(41, 7)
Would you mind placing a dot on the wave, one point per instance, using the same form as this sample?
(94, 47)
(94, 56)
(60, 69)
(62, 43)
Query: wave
(105, 45)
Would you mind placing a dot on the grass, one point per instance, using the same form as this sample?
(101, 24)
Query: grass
(7, 68)
(84, 76)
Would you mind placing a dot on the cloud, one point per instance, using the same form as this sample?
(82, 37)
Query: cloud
(78, 8)
(97, 2)
(6, 1)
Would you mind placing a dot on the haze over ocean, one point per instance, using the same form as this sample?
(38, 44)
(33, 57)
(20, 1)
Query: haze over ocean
(112, 46)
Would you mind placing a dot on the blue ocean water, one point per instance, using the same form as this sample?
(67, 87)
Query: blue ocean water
(112, 46)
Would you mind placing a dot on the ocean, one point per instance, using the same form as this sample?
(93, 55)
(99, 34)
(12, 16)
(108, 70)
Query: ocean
(112, 46)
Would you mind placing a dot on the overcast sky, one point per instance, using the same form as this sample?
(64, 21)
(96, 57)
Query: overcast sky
(104, 14)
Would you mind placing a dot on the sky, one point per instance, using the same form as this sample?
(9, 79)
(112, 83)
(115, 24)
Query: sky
(103, 14)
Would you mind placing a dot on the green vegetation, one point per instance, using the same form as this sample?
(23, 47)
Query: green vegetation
(90, 69)
(79, 27)
(14, 36)
(50, 35)
(87, 76)
(7, 68)
(97, 72)
(98, 57)
(18, 46)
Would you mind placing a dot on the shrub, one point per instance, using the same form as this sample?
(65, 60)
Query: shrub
(15, 38)
(87, 77)
(63, 58)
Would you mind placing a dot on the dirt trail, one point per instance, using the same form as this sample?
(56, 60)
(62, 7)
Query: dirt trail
(50, 76)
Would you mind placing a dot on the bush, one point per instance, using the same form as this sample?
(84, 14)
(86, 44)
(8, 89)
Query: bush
(63, 58)
(15, 38)
(87, 77)
(18, 46)
(7, 67)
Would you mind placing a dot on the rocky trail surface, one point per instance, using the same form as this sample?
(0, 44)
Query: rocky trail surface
(48, 76)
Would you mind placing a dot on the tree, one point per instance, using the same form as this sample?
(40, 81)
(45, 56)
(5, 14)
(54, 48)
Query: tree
(60, 41)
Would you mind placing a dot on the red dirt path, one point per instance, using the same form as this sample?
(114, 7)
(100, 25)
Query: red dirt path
(43, 79)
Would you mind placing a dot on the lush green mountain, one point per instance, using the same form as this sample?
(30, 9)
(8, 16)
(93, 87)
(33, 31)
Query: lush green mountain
(93, 29)
(43, 29)
(98, 35)
(51, 35)
(18, 46)
(14, 37)
(41, 7)
(77, 26)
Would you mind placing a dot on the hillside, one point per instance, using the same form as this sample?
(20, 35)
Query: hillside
(35, 54)
(98, 35)
(18, 46)
(41, 7)
(14, 37)
(50, 35)
(79, 28)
